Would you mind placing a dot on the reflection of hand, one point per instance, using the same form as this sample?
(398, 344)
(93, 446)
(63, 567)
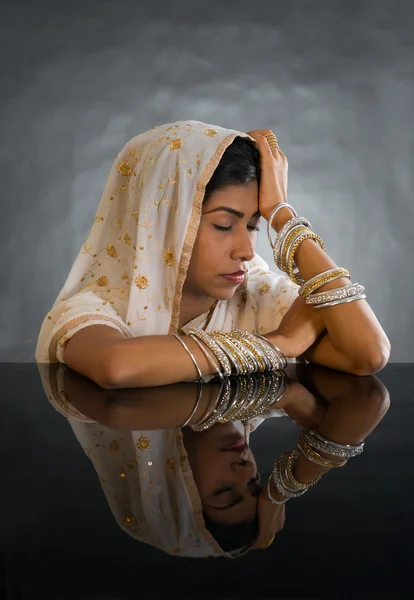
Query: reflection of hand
(271, 520)
(298, 330)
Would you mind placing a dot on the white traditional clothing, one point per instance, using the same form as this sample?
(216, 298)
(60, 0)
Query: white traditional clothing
(147, 479)
(130, 271)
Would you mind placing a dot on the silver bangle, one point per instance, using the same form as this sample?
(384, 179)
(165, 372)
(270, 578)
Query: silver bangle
(353, 289)
(282, 247)
(272, 216)
(190, 354)
(215, 348)
(209, 357)
(281, 357)
(244, 349)
(217, 410)
(342, 301)
(209, 410)
(324, 445)
(197, 404)
(237, 367)
(278, 482)
(287, 227)
(269, 494)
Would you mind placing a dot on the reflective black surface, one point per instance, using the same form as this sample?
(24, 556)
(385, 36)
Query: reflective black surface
(350, 536)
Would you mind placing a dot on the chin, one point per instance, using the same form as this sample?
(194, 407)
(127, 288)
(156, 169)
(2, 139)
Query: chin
(223, 293)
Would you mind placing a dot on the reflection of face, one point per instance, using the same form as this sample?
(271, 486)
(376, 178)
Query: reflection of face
(217, 251)
(227, 480)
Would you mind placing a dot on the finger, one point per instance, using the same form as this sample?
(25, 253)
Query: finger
(266, 151)
(262, 133)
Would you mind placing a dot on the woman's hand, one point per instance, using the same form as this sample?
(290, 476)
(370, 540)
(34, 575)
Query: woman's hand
(274, 173)
(298, 330)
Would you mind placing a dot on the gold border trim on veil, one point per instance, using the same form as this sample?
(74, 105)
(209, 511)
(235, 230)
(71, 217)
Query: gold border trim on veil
(194, 225)
(194, 495)
(76, 321)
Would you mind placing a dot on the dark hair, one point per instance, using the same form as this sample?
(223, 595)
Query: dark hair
(239, 165)
(232, 537)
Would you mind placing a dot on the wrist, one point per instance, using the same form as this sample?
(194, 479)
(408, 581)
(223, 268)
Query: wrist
(281, 342)
(280, 218)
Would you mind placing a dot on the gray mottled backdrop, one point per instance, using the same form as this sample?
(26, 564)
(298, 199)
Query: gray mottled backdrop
(333, 79)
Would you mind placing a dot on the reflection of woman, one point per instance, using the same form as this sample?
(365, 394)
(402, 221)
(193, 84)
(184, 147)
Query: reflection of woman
(176, 221)
(163, 485)
(147, 466)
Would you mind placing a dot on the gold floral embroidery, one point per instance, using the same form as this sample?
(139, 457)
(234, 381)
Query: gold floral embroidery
(124, 169)
(114, 446)
(127, 238)
(129, 520)
(171, 465)
(264, 289)
(169, 258)
(102, 281)
(143, 443)
(211, 132)
(125, 277)
(175, 144)
(111, 250)
(141, 282)
(175, 550)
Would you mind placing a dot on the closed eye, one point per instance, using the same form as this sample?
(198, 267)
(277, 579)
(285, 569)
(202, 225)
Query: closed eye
(250, 227)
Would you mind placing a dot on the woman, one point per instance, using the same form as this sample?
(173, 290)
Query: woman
(172, 248)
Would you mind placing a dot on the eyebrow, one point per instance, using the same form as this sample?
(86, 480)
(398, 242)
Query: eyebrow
(234, 503)
(233, 211)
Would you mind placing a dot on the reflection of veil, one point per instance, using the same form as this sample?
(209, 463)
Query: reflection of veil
(145, 475)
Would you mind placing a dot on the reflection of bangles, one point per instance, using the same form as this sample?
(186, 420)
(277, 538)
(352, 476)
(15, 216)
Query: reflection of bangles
(310, 441)
(254, 395)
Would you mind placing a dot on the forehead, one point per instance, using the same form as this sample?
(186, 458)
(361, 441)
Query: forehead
(242, 197)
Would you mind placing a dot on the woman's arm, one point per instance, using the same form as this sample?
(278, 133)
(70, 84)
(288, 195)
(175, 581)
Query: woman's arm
(354, 341)
(355, 406)
(139, 408)
(112, 361)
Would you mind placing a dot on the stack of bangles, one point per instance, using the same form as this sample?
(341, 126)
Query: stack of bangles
(236, 353)
(311, 443)
(253, 396)
(288, 239)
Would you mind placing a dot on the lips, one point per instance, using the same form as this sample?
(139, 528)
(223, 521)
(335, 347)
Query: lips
(239, 446)
(235, 274)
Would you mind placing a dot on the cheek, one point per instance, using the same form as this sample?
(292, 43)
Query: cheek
(210, 246)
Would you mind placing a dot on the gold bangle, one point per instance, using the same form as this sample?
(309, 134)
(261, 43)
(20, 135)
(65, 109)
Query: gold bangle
(297, 485)
(253, 350)
(296, 244)
(243, 366)
(250, 411)
(317, 282)
(311, 454)
(286, 243)
(228, 415)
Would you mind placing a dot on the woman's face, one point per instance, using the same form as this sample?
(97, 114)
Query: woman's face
(226, 475)
(225, 242)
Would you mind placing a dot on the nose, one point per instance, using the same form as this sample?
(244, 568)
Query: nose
(243, 248)
(246, 469)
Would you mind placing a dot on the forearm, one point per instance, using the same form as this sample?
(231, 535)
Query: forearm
(153, 361)
(355, 338)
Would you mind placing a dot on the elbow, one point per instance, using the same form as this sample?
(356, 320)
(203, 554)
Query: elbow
(110, 375)
(374, 359)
